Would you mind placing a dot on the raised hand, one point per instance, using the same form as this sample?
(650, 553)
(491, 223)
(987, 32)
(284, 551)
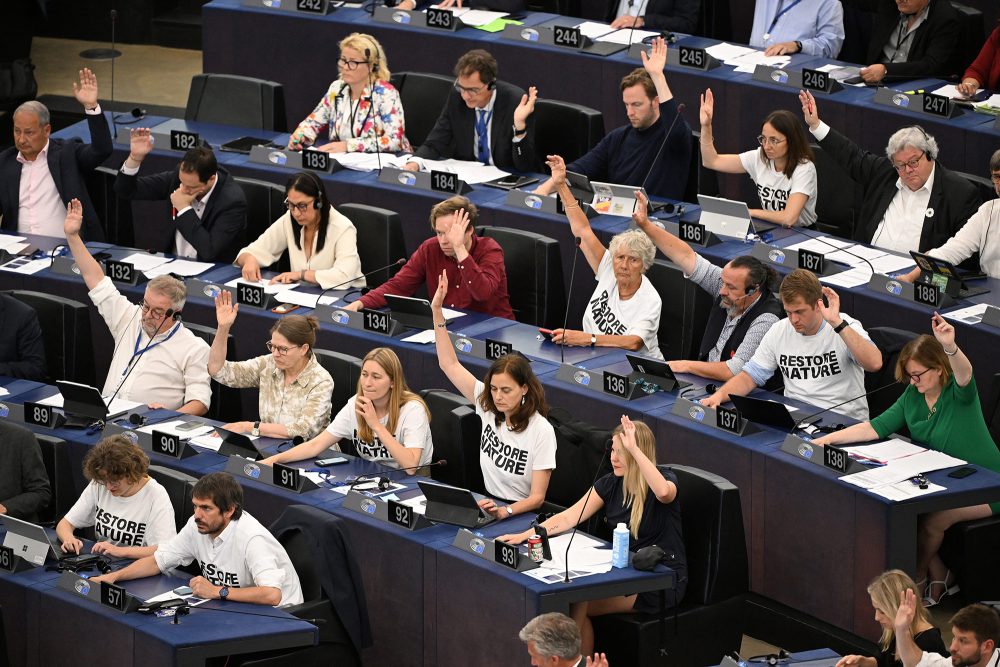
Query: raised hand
(557, 166)
(74, 218)
(641, 213)
(85, 92)
(225, 309)
(707, 110)
(906, 611)
(830, 310)
(525, 108)
(140, 143)
(810, 112)
(656, 61)
(628, 433)
(440, 293)
(944, 332)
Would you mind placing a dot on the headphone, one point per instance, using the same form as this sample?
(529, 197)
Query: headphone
(136, 419)
(771, 659)
(318, 202)
(927, 138)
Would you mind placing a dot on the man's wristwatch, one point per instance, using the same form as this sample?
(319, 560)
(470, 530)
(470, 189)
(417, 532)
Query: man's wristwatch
(520, 133)
(224, 592)
(510, 512)
(840, 327)
(798, 45)
(593, 340)
(255, 431)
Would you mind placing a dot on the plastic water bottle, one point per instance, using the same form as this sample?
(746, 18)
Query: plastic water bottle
(619, 546)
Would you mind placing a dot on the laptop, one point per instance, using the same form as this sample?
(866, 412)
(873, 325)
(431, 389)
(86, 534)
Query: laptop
(86, 404)
(237, 443)
(453, 505)
(937, 271)
(614, 199)
(730, 218)
(655, 371)
(410, 311)
(28, 540)
(762, 411)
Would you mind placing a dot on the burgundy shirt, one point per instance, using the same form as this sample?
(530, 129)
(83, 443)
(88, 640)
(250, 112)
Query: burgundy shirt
(479, 283)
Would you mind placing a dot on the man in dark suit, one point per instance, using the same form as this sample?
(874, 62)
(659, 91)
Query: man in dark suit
(35, 191)
(672, 15)
(209, 208)
(911, 202)
(22, 350)
(24, 484)
(484, 119)
(911, 39)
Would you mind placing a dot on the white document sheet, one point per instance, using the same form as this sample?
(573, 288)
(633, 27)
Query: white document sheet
(143, 261)
(470, 171)
(181, 267)
(269, 288)
(886, 451)
(170, 428)
(905, 490)
(593, 29)
(951, 92)
(623, 36)
(7, 240)
(26, 266)
(478, 17)
(303, 298)
(118, 407)
(970, 314)
(903, 469)
(724, 51)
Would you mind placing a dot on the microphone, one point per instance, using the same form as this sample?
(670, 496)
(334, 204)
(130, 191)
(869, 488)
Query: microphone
(371, 106)
(398, 262)
(383, 479)
(572, 274)
(680, 108)
(805, 422)
(586, 499)
(168, 313)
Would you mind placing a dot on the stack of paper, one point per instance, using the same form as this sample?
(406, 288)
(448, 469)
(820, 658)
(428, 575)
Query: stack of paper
(902, 468)
(587, 555)
(170, 428)
(180, 267)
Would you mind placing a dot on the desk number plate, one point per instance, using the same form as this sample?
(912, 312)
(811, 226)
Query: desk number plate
(835, 458)
(376, 321)
(505, 554)
(250, 295)
(566, 36)
(167, 444)
(616, 385)
(813, 79)
(692, 57)
(936, 105)
(927, 294)
(183, 141)
(444, 181)
(400, 514)
(37, 414)
(693, 232)
(441, 19)
(7, 559)
(728, 419)
(497, 348)
(316, 160)
(811, 261)
(120, 272)
(113, 596)
(286, 477)
(310, 6)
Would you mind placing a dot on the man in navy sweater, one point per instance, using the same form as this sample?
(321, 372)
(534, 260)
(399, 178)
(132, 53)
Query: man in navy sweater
(626, 154)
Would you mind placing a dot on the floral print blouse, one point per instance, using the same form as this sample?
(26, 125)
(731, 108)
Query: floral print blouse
(349, 120)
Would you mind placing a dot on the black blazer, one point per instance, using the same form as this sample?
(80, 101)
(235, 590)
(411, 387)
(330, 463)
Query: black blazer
(953, 199)
(69, 163)
(220, 232)
(934, 42)
(22, 349)
(672, 15)
(24, 484)
(454, 133)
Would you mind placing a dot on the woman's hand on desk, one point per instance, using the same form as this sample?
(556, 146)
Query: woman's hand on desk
(108, 549)
(516, 538)
(251, 267)
(72, 546)
(287, 277)
(497, 511)
(239, 427)
(570, 337)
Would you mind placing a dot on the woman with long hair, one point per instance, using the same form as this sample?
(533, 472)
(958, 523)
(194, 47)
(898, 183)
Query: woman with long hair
(387, 422)
(641, 496)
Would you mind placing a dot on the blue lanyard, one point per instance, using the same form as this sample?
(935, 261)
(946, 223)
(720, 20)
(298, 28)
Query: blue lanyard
(137, 353)
(781, 12)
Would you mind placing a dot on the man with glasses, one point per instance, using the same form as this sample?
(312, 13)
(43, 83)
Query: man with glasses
(909, 201)
(208, 208)
(974, 237)
(484, 120)
(626, 155)
(173, 362)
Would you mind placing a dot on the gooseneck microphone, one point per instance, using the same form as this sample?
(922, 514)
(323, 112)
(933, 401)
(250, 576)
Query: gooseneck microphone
(398, 262)
(572, 274)
(680, 108)
(586, 499)
(803, 423)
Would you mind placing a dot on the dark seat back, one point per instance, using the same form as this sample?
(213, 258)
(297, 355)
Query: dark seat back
(242, 101)
(984, 186)
(345, 371)
(971, 36)
(838, 197)
(178, 486)
(566, 129)
(890, 342)
(115, 213)
(380, 239)
(225, 400)
(534, 275)
(55, 456)
(701, 179)
(684, 313)
(66, 333)
(991, 408)
(265, 204)
(455, 431)
(423, 96)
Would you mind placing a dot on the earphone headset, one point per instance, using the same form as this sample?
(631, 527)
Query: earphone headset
(318, 201)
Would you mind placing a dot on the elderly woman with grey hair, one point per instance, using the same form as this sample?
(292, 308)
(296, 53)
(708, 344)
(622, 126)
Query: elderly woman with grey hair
(625, 308)
(974, 237)
(909, 201)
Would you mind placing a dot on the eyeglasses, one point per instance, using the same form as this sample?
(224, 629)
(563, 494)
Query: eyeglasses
(281, 350)
(647, 387)
(468, 92)
(995, 178)
(916, 376)
(301, 208)
(774, 141)
(156, 312)
(909, 164)
(351, 65)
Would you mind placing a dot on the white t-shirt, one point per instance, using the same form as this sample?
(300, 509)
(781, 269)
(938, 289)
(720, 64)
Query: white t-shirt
(975, 236)
(606, 313)
(141, 520)
(774, 188)
(245, 554)
(413, 430)
(817, 369)
(509, 459)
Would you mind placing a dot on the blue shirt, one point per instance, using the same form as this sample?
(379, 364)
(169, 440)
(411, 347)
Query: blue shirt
(818, 24)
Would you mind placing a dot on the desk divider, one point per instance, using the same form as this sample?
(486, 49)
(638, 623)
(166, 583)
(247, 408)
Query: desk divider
(320, 7)
(73, 583)
(385, 511)
(789, 259)
(487, 549)
(164, 445)
(810, 451)
(906, 291)
(13, 412)
(700, 414)
(243, 468)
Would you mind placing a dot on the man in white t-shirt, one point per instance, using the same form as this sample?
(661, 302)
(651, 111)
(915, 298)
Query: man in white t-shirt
(239, 559)
(822, 354)
(173, 362)
(975, 633)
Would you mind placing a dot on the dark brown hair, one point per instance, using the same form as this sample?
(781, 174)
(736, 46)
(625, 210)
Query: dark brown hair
(200, 160)
(453, 204)
(926, 351)
(115, 458)
(639, 77)
(799, 152)
(224, 492)
(298, 329)
(980, 620)
(311, 186)
(519, 369)
(478, 60)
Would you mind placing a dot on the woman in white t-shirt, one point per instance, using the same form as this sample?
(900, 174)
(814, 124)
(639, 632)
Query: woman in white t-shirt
(517, 446)
(387, 422)
(130, 512)
(782, 169)
(624, 310)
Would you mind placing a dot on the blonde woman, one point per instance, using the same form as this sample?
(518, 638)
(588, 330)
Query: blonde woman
(387, 422)
(641, 496)
(346, 112)
(885, 591)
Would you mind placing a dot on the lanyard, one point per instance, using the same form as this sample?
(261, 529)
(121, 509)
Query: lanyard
(136, 353)
(781, 12)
